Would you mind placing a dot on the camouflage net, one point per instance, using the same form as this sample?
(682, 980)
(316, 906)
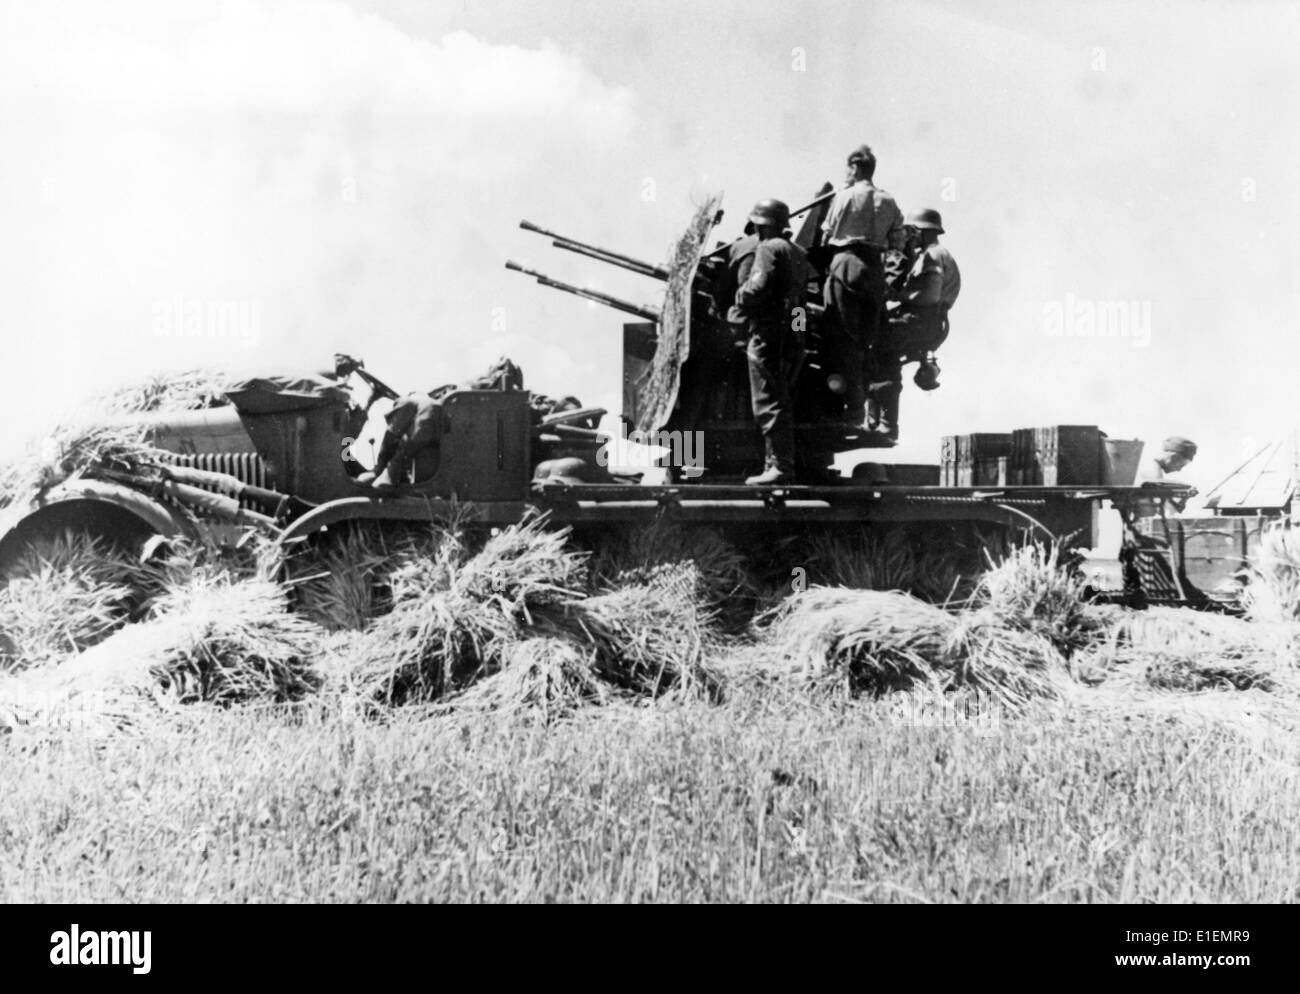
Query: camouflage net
(658, 389)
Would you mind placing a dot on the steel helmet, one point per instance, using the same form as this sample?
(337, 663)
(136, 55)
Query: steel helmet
(927, 374)
(771, 212)
(926, 217)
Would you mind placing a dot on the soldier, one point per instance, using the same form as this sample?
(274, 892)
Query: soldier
(739, 261)
(1176, 454)
(1146, 560)
(917, 321)
(769, 302)
(863, 221)
(412, 426)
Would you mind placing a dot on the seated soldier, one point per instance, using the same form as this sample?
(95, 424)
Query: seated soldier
(917, 320)
(413, 424)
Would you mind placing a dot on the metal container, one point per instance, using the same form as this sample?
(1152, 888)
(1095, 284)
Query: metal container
(1120, 458)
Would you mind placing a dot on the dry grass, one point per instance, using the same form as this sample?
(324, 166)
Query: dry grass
(87, 443)
(213, 640)
(342, 580)
(459, 618)
(1272, 591)
(550, 676)
(873, 642)
(658, 391)
(72, 449)
(454, 624)
(510, 620)
(62, 595)
(1179, 649)
(1013, 668)
(514, 787)
(454, 616)
(239, 643)
(652, 637)
(923, 562)
(1037, 590)
(725, 581)
(190, 390)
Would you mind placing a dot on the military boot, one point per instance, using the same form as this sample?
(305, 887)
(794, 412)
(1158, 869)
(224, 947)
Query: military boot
(387, 449)
(873, 413)
(887, 424)
(779, 464)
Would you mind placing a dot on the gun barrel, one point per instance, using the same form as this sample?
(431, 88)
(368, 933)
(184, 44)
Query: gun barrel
(595, 252)
(643, 268)
(645, 313)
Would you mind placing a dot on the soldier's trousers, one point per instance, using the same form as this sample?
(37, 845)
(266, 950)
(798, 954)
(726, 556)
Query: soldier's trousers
(774, 351)
(908, 334)
(855, 303)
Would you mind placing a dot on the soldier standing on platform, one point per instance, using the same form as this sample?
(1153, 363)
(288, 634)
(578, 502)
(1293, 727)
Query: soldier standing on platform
(863, 221)
(770, 301)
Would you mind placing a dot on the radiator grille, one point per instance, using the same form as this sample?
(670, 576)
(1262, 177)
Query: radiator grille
(247, 467)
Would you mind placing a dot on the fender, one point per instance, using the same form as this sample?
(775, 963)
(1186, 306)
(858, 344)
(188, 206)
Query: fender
(157, 517)
(428, 510)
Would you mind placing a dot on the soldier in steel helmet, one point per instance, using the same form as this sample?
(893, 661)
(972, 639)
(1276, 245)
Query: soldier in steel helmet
(917, 320)
(770, 301)
(863, 221)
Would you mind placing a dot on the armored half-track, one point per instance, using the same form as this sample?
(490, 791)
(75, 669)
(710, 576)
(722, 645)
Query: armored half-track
(277, 455)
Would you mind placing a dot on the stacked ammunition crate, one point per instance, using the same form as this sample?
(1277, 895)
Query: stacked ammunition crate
(948, 461)
(978, 460)
(1056, 456)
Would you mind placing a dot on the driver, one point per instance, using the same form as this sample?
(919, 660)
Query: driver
(412, 426)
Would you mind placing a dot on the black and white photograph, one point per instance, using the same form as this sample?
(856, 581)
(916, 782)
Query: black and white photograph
(657, 452)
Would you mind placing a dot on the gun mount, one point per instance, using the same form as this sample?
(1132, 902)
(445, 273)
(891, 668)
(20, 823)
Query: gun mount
(685, 368)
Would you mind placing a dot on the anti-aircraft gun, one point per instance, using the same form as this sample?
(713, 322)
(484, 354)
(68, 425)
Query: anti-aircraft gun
(684, 366)
(273, 454)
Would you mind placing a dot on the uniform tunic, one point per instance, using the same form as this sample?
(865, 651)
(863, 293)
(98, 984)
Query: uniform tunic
(918, 325)
(770, 301)
(862, 222)
(864, 214)
(413, 425)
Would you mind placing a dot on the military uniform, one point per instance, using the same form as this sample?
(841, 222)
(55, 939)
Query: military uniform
(413, 424)
(919, 325)
(863, 221)
(740, 260)
(769, 302)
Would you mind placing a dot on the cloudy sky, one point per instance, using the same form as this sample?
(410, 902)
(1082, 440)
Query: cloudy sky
(352, 175)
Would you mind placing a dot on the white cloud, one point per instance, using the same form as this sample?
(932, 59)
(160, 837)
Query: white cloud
(356, 183)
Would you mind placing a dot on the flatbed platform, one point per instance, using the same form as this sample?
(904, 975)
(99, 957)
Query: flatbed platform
(1055, 511)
